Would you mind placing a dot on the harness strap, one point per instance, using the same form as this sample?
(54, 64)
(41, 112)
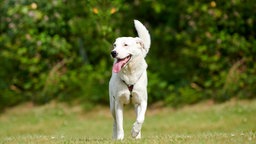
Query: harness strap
(130, 87)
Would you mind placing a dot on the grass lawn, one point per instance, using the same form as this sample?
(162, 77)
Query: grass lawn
(231, 122)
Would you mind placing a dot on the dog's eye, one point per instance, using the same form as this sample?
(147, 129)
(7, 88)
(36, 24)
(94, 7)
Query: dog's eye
(125, 44)
(114, 45)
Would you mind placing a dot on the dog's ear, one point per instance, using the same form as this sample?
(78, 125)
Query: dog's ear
(140, 42)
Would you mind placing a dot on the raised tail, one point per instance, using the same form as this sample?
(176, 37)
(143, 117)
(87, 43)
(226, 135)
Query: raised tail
(143, 34)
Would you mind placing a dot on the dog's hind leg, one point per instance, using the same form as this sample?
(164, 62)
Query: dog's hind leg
(140, 110)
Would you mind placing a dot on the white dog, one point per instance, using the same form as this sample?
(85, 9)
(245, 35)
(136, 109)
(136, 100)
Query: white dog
(129, 79)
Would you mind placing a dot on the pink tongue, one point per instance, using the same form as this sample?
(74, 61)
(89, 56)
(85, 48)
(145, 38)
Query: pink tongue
(118, 65)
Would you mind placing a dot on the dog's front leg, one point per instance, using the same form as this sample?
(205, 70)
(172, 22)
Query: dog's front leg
(119, 120)
(114, 136)
(140, 110)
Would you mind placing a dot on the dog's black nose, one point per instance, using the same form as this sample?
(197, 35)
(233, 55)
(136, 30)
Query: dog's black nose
(114, 54)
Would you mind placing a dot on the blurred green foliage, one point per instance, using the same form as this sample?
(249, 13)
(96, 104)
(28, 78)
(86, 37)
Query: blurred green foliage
(59, 49)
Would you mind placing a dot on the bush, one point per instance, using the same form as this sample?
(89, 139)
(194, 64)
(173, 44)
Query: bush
(60, 49)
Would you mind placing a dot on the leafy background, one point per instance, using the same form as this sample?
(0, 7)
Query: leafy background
(60, 49)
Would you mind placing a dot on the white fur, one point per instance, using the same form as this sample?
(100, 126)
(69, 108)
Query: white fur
(133, 73)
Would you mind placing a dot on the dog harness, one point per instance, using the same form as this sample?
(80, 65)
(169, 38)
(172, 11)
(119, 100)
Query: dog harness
(130, 87)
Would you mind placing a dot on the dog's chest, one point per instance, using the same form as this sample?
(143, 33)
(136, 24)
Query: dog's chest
(132, 73)
(128, 79)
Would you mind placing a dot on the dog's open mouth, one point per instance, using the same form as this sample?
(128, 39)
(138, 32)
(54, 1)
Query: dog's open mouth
(120, 63)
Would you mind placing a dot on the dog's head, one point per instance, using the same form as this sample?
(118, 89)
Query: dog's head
(125, 49)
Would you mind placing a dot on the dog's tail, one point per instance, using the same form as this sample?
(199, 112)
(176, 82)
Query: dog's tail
(143, 34)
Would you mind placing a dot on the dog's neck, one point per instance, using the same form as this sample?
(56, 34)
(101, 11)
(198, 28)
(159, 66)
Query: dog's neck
(132, 72)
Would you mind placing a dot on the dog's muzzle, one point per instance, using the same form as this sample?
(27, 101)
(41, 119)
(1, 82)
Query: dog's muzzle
(114, 54)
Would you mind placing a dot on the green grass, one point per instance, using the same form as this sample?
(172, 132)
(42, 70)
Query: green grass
(231, 122)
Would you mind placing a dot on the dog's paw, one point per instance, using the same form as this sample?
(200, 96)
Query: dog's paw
(138, 136)
(120, 136)
(136, 130)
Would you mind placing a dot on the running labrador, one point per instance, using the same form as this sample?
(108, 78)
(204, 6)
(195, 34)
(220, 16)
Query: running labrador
(129, 79)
